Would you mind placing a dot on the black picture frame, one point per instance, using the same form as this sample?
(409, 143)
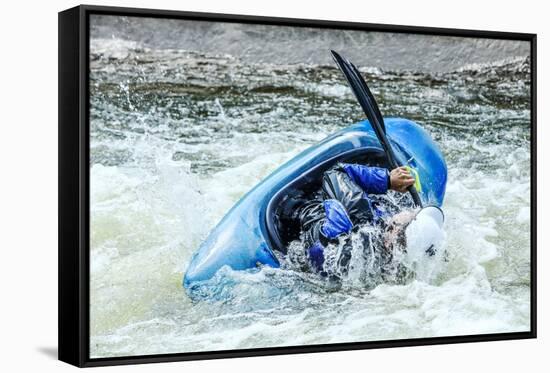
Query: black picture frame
(74, 149)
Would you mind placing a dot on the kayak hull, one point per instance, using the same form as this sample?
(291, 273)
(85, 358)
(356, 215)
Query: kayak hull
(245, 238)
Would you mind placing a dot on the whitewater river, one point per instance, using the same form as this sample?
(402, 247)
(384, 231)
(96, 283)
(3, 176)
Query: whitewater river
(177, 137)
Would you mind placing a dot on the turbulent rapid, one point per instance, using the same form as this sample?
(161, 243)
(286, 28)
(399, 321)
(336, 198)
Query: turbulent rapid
(177, 137)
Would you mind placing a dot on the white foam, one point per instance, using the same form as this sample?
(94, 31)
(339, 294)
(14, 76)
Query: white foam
(149, 214)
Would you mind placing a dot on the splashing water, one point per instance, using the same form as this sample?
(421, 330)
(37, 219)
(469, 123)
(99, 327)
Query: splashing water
(177, 137)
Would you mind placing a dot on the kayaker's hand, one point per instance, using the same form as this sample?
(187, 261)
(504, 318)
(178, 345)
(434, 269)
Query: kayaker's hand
(400, 179)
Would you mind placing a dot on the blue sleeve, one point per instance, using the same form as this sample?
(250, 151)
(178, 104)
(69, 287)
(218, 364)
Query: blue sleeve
(337, 220)
(373, 180)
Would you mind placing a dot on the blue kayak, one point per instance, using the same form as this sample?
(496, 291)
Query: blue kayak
(250, 233)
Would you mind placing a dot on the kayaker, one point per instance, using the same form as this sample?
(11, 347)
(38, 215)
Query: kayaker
(344, 203)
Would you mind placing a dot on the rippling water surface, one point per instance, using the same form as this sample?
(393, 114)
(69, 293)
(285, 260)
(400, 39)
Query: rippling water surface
(177, 137)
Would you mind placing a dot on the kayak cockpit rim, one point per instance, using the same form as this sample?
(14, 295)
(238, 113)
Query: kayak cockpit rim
(307, 183)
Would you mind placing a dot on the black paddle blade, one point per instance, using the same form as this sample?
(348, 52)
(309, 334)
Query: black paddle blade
(359, 87)
(366, 99)
(375, 106)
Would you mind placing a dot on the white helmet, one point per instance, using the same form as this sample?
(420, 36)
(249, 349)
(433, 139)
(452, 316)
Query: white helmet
(425, 232)
(425, 239)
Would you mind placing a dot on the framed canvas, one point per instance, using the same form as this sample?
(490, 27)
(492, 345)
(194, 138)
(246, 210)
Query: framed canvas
(235, 186)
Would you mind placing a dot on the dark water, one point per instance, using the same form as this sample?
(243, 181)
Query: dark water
(292, 45)
(177, 137)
